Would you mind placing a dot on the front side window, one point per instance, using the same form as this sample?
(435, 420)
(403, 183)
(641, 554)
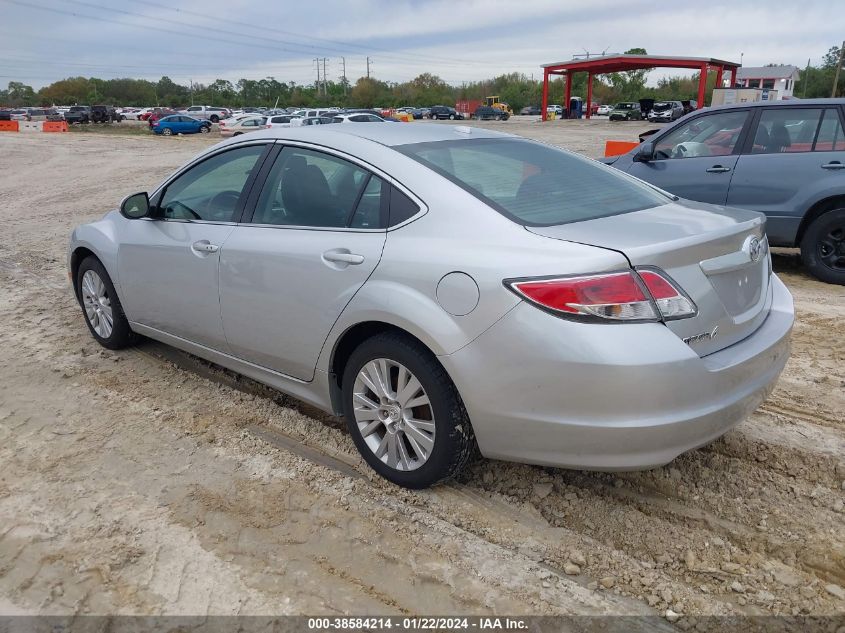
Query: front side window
(786, 130)
(709, 135)
(532, 183)
(308, 188)
(210, 191)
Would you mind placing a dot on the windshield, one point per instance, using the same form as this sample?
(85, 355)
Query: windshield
(77, 108)
(625, 106)
(534, 184)
(662, 106)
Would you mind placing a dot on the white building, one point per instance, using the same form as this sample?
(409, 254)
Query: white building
(780, 78)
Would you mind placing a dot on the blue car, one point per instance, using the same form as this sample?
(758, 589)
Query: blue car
(782, 158)
(181, 124)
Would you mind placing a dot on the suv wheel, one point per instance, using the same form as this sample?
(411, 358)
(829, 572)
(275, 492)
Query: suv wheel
(404, 413)
(214, 118)
(823, 247)
(451, 117)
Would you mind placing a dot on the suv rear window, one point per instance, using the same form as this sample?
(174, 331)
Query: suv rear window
(534, 184)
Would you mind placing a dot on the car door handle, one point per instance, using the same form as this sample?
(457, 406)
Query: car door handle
(204, 246)
(717, 169)
(343, 258)
(834, 165)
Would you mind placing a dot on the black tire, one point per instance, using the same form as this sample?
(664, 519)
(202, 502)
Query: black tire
(822, 241)
(451, 117)
(205, 129)
(121, 335)
(167, 131)
(454, 441)
(214, 118)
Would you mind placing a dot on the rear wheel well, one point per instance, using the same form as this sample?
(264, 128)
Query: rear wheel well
(76, 259)
(346, 345)
(818, 209)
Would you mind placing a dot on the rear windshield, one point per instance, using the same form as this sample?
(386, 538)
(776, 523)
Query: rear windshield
(534, 184)
(77, 108)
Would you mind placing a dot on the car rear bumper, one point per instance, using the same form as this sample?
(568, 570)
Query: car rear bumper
(547, 391)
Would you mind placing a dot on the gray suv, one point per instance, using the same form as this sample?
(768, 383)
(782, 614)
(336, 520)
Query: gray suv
(783, 158)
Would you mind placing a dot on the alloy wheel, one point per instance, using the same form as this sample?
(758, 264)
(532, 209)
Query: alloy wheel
(394, 414)
(97, 304)
(832, 248)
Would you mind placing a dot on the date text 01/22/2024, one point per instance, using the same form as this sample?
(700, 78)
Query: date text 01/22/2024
(417, 624)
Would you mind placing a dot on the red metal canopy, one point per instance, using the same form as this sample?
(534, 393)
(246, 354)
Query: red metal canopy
(621, 63)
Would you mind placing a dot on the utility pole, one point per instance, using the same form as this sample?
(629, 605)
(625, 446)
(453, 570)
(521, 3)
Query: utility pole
(325, 84)
(343, 61)
(317, 85)
(838, 68)
(368, 67)
(806, 79)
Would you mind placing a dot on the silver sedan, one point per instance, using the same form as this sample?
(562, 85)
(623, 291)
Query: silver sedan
(448, 287)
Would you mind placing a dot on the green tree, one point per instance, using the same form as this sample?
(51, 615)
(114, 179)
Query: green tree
(19, 94)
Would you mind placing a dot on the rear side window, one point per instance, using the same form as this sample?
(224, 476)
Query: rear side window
(786, 130)
(830, 137)
(309, 188)
(401, 207)
(534, 184)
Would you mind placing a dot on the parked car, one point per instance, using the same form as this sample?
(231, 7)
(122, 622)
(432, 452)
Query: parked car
(666, 111)
(602, 334)
(180, 124)
(43, 114)
(556, 109)
(134, 114)
(279, 120)
(159, 113)
(5, 114)
(444, 112)
(783, 158)
(210, 113)
(604, 109)
(250, 123)
(689, 105)
(626, 111)
(78, 114)
(311, 120)
(530, 111)
(486, 113)
(358, 117)
(104, 114)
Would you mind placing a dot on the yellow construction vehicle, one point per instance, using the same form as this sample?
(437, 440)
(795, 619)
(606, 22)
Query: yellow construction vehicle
(494, 102)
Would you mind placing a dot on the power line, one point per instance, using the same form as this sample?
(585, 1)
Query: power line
(417, 60)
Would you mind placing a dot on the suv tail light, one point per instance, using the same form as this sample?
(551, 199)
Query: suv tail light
(618, 296)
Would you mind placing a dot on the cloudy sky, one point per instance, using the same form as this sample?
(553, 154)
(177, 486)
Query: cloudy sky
(459, 40)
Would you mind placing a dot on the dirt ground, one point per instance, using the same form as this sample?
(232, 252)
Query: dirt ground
(148, 482)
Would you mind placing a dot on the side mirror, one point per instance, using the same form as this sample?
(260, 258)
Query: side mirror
(135, 206)
(645, 153)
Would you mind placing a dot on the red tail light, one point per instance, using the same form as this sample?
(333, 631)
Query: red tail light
(619, 296)
(670, 300)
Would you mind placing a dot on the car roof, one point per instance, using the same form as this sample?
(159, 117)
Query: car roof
(789, 103)
(389, 135)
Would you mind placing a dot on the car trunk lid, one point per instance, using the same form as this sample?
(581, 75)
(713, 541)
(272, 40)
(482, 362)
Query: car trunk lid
(706, 250)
